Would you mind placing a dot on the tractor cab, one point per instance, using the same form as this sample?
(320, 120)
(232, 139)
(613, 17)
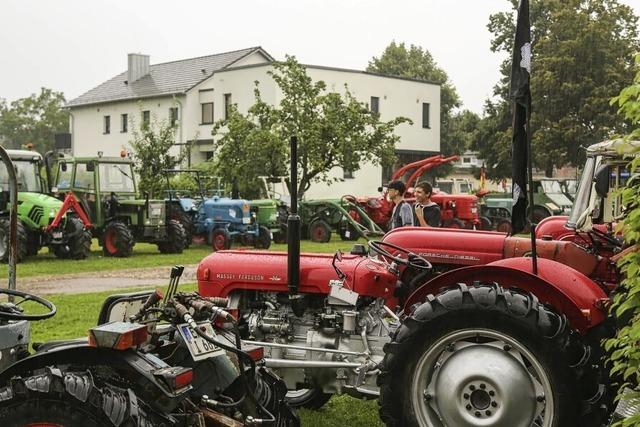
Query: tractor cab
(597, 200)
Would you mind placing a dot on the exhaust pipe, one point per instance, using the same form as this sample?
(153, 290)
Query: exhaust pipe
(293, 237)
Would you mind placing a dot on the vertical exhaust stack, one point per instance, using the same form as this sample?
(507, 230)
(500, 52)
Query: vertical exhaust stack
(293, 237)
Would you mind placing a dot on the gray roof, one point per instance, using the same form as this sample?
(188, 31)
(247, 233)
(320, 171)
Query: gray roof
(168, 78)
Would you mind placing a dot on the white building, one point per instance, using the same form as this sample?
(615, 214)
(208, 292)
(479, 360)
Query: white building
(194, 93)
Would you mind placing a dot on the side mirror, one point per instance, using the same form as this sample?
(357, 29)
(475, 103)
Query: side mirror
(339, 255)
(602, 181)
(91, 166)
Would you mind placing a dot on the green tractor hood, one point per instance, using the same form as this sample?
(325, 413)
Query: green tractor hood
(36, 210)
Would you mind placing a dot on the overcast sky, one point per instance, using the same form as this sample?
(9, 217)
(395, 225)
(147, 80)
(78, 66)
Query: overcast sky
(72, 46)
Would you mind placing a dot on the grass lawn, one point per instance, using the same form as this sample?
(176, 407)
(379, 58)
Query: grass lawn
(78, 312)
(144, 255)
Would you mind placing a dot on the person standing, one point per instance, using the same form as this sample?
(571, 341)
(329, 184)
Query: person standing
(427, 211)
(402, 214)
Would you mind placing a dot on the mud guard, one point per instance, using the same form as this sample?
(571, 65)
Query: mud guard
(568, 291)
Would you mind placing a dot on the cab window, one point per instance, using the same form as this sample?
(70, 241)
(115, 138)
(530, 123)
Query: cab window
(63, 180)
(84, 178)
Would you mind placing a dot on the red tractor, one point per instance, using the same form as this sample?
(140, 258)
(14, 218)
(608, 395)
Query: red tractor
(456, 210)
(449, 328)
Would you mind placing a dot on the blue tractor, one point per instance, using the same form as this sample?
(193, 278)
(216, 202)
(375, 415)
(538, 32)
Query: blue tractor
(220, 221)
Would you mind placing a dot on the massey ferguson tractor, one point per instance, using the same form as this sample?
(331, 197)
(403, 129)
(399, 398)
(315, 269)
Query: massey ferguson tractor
(448, 328)
(456, 210)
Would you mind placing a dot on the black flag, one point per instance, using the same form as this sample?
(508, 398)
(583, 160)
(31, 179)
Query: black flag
(521, 94)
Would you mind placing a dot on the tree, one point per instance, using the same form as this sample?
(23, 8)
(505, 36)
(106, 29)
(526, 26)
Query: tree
(623, 349)
(583, 54)
(35, 120)
(333, 131)
(416, 63)
(151, 146)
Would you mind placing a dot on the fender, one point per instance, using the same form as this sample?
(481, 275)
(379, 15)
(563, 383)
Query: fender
(554, 226)
(128, 363)
(568, 291)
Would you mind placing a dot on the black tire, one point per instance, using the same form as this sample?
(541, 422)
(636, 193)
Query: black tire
(504, 226)
(21, 234)
(485, 223)
(33, 243)
(319, 231)
(56, 397)
(565, 362)
(117, 240)
(349, 233)
(313, 398)
(454, 223)
(220, 239)
(175, 238)
(78, 246)
(263, 240)
(187, 223)
(539, 214)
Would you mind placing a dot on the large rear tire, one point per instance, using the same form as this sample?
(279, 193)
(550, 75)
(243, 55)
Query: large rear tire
(117, 240)
(78, 246)
(21, 234)
(55, 398)
(187, 223)
(263, 239)
(485, 355)
(175, 242)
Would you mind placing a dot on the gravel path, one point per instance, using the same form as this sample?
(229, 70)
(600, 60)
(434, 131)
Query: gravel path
(79, 283)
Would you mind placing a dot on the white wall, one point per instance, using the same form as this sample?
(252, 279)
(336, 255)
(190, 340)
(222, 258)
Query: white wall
(87, 124)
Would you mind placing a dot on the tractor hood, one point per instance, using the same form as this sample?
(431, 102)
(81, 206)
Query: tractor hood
(472, 247)
(36, 209)
(224, 272)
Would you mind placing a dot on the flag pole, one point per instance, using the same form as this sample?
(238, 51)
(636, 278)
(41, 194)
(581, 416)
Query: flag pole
(534, 252)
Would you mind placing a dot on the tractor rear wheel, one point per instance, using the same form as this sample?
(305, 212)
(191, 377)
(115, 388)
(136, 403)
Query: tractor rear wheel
(220, 239)
(70, 399)
(22, 239)
(349, 233)
(311, 398)
(78, 246)
(117, 240)
(175, 242)
(187, 223)
(263, 239)
(319, 231)
(485, 355)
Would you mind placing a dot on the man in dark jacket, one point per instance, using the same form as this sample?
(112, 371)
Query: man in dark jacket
(427, 212)
(402, 214)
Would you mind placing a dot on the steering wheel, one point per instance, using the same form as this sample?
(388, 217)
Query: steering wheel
(412, 260)
(13, 311)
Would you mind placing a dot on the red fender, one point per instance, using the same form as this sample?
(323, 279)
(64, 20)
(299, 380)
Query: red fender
(568, 291)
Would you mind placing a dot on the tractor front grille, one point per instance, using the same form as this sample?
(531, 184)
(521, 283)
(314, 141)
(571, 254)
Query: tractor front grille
(35, 214)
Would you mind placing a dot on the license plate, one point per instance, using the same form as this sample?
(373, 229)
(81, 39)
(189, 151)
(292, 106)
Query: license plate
(199, 348)
(246, 220)
(57, 234)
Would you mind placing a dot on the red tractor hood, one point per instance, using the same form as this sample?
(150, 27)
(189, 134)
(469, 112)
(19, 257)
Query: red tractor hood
(472, 247)
(223, 272)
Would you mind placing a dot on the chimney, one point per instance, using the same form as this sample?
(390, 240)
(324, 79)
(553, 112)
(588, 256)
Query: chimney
(138, 66)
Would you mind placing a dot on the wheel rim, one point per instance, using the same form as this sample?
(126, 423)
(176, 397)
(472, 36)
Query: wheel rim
(219, 242)
(319, 233)
(3, 243)
(504, 227)
(297, 394)
(480, 377)
(110, 242)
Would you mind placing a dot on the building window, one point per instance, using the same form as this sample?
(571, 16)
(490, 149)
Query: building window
(208, 155)
(347, 174)
(124, 123)
(375, 105)
(106, 125)
(173, 116)
(227, 105)
(425, 116)
(146, 119)
(207, 113)
(466, 160)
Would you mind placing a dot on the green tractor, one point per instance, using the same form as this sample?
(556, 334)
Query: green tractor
(106, 189)
(67, 236)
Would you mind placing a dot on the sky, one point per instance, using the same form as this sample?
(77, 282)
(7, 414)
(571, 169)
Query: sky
(73, 45)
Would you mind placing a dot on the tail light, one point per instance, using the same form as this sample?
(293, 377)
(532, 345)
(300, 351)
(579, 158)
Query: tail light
(256, 352)
(117, 335)
(176, 377)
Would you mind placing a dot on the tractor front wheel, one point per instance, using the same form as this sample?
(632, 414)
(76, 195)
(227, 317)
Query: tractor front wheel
(22, 238)
(319, 231)
(263, 239)
(175, 242)
(486, 355)
(311, 398)
(504, 226)
(79, 245)
(485, 223)
(220, 239)
(69, 399)
(117, 240)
